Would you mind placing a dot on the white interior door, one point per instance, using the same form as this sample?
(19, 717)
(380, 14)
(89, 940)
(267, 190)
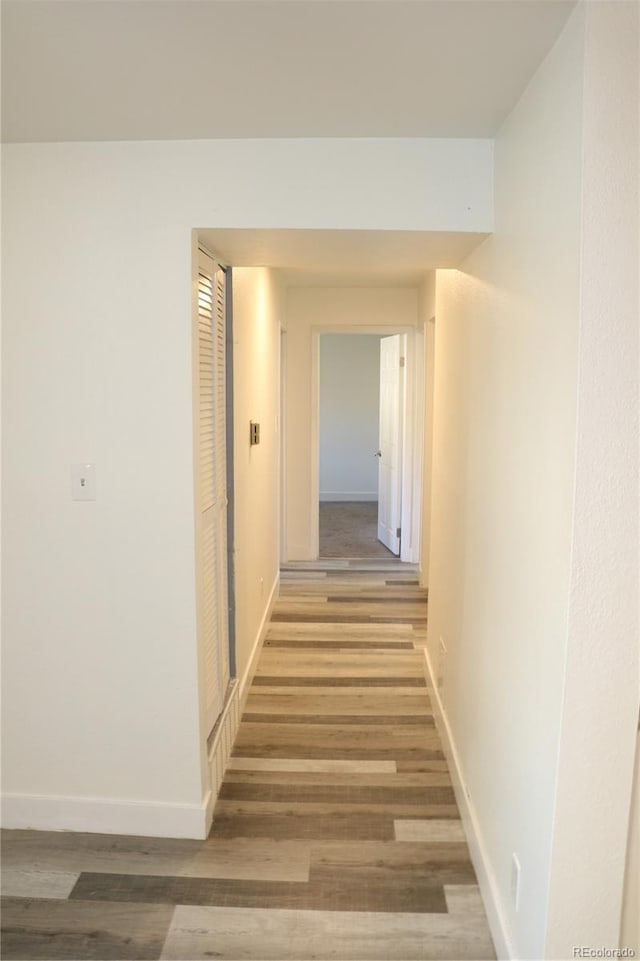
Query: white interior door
(211, 491)
(390, 442)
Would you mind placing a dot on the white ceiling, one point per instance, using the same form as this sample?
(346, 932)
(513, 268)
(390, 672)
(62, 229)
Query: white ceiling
(190, 69)
(342, 257)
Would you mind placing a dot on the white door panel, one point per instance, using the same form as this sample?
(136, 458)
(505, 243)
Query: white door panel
(390, 444)
(211, 490)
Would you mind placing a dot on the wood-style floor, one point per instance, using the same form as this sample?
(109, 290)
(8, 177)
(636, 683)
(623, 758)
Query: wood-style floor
(336, 834)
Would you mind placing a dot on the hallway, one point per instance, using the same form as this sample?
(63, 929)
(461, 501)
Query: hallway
(336, 834)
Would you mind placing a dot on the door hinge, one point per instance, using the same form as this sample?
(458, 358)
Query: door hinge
(402, 361)
(398, 531)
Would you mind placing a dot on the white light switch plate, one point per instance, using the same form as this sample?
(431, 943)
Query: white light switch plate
(83, 482)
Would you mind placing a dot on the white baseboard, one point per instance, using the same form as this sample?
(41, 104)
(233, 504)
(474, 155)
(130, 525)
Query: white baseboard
(245, 682)
(144, 818)
(300, 552)
(229, 723)
(104, 816)
(221, 747)
(348, 495)
(477, 847)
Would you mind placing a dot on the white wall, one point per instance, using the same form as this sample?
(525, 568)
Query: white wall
(504, 452)
(257, 302)
(101, 725)
(533, 580)
(349, 416)
(595, 761)
(426, 314)
(311, 310)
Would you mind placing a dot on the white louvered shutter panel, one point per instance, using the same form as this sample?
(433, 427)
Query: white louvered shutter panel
(220, 473)
(211, 485)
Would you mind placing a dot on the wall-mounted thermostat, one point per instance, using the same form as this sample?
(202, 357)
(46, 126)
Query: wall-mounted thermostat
(254, 434)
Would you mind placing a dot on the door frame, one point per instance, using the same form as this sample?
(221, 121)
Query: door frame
(282, 424)
(412, 433)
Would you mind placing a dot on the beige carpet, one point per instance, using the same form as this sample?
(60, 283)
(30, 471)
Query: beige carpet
(349, 529)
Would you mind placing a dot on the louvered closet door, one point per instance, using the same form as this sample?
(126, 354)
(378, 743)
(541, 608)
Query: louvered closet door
(211, 486)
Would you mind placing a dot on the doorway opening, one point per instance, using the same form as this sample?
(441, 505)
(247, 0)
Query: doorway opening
(349, 416)
(367, 445)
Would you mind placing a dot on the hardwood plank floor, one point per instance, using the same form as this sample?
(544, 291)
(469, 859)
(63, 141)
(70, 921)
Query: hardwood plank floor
(336, 833)
(283, 935)
(88, 931)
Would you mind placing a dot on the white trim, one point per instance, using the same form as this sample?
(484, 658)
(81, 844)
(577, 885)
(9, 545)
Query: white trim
(245, 683)
(300, 552)
(104, 816)
(418, 395)
(282, 426)
(348, 495)
(314, 434)
(221, 748)
(477, 847)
